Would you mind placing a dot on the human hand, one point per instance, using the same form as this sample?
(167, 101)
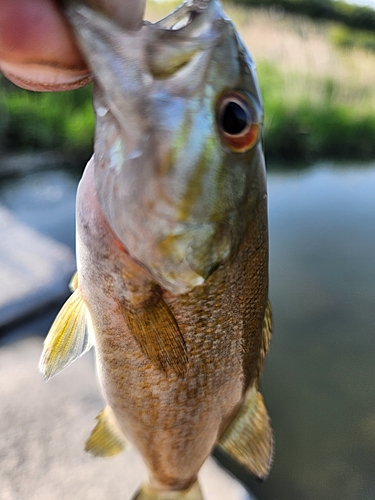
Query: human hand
(38, 50)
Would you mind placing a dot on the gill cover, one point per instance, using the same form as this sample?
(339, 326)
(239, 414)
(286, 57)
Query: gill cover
(178, 159)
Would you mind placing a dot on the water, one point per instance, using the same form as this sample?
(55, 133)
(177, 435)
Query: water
(319, 376)
(45, 201)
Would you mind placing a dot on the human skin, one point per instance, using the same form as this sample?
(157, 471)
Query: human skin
(38, 50)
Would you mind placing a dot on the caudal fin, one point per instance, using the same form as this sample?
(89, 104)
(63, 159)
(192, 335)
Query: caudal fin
(148, 493)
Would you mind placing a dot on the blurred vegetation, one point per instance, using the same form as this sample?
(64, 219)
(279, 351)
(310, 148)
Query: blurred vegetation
(354, 16)
(318, 90)
(303, 129)
(348, 39)
(44, 120)
(316, 80)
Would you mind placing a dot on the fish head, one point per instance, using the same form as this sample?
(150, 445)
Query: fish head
(179, 165)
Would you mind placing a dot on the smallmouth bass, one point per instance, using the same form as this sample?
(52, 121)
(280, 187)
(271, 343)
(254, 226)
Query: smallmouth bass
(172, 247)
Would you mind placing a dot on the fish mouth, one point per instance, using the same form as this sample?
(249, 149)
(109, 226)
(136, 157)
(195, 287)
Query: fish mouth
(161, 200)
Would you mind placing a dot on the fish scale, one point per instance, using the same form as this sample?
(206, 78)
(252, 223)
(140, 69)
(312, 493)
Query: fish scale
(172, 249)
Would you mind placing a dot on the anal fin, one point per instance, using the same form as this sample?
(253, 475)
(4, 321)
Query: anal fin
(157, 332)
(248, 438)
(70, 336)
(106, 438)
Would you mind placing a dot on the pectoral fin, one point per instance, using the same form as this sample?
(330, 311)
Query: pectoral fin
(70, 336)
(248, 438)
(73, 284)
(106, 438)
(156, 330)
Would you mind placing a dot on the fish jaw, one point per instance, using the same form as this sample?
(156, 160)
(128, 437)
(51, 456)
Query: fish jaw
(171, 191)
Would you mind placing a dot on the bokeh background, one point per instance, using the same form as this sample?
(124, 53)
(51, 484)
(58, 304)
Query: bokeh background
(316, 69)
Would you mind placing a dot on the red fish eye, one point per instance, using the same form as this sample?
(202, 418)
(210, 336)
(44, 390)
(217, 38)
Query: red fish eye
(237, 124)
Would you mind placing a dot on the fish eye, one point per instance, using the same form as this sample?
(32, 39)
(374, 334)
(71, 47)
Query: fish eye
(237, 122)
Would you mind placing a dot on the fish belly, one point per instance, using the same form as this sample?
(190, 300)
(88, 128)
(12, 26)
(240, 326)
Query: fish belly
(173, 420)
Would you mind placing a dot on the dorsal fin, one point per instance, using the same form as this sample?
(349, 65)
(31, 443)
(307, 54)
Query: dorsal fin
(248, 438)
(70, 336)
(106, 438)
(156, 330)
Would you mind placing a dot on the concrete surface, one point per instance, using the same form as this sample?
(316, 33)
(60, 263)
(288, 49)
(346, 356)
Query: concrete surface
(43, 428)
(34, 269)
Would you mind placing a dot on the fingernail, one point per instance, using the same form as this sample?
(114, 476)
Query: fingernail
(44, 78)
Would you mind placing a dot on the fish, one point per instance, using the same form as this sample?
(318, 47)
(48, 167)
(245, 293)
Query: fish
(172, 248)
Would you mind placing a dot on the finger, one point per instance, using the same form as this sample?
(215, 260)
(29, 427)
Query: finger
(37, 47)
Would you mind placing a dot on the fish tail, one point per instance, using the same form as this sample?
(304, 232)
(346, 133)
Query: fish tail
(148, 493)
